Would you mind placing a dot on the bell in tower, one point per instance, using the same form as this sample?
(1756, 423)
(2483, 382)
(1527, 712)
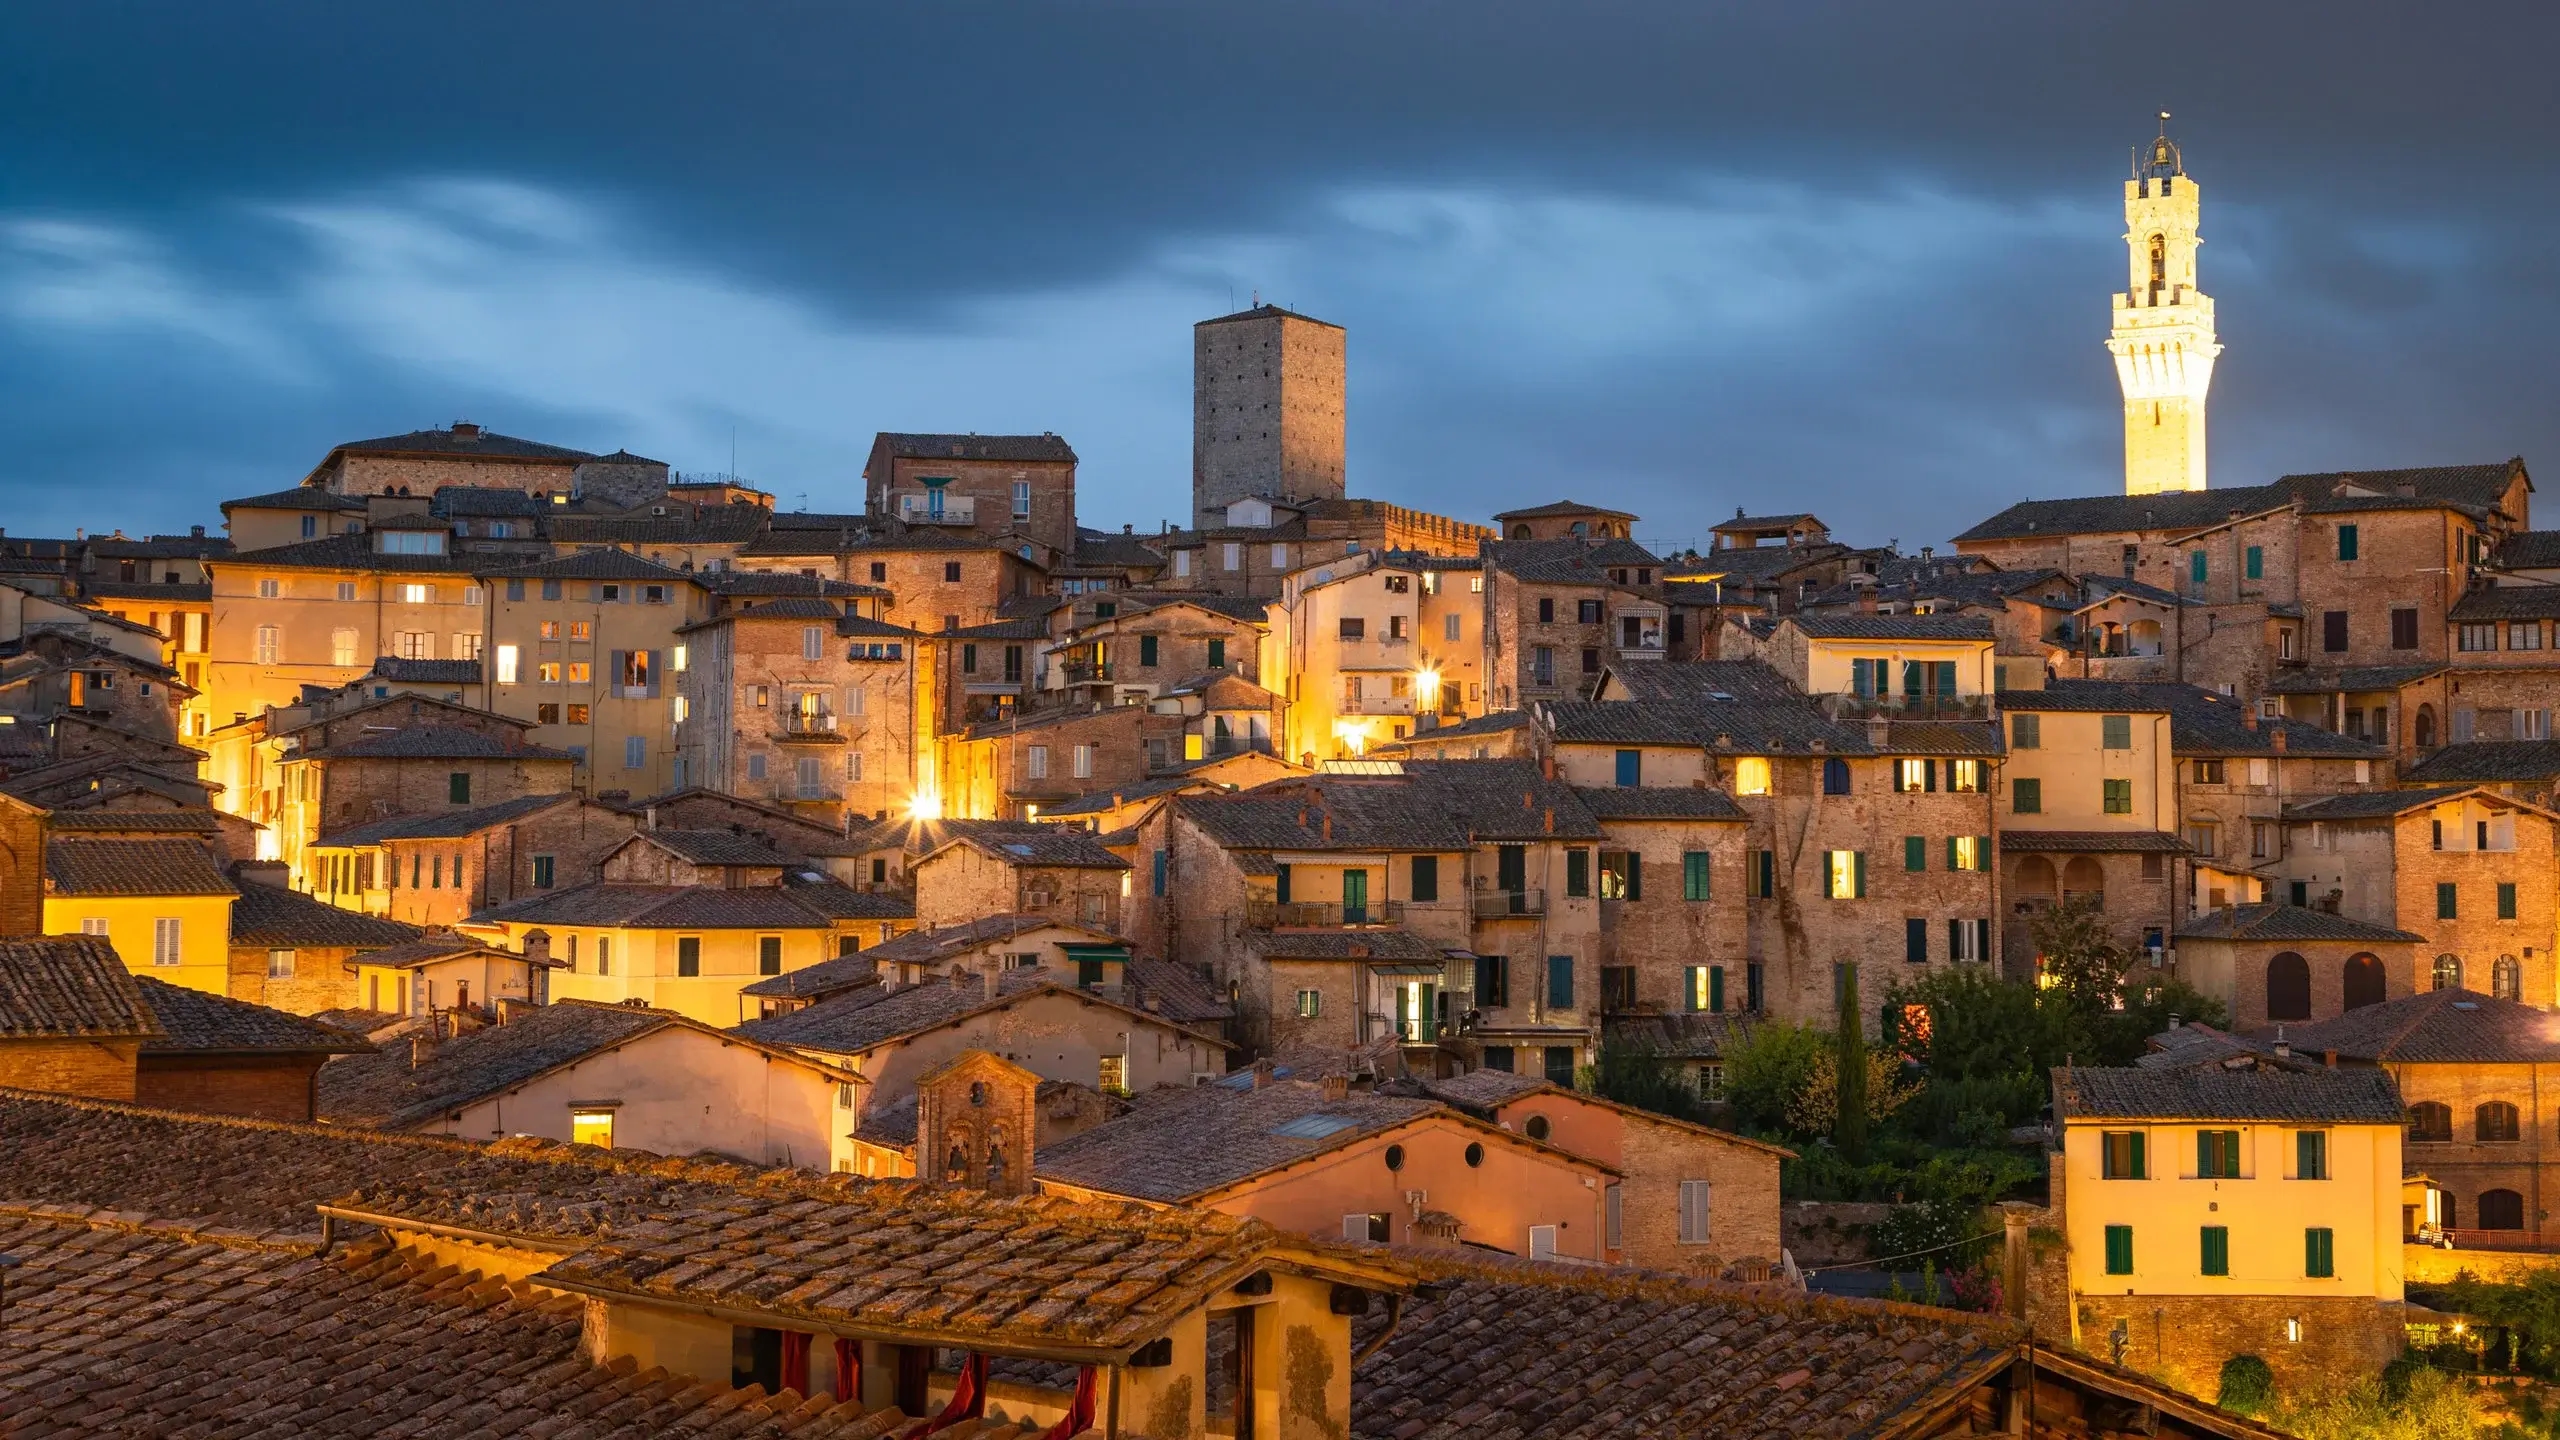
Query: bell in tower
(2163, 339)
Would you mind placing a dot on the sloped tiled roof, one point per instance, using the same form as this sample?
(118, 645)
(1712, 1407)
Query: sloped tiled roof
(133, 867)
(1157, 1151)
(2480, 762)
(601, 563)
(1567, 561)
(1892, 627)
(2508, 602)
(868, 1017)
(2327, 679)
(2200, 721)
(972, 447)
(272, 915)
(1659, 803)
(386, 1091)
(445, 824)
(1363, 945)
(347, 552)
(63, 986)
(1555, 509)
(2528, 550)
(665, 907)
(300, 497)
(1433, 805)
(1772, 726)
(715, 847)
(1174, 990)
(435, 742)
(2373, 804)
(1705, 680)
(2091, 842)
(2452, 1026)
(184, 821)
(2471, 485)
(1048, 847)
(1677, 1034)
(474, 443)
(195, 1022)
(2354, 1097)
(2288, 922)
(827, 977)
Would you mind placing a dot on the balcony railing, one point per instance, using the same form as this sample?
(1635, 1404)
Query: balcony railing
(1321, 914)
(1907, 707)
(1085, 672)
(932, 507)
(1407, 1030)
(1509, 904)
(820, 727)
(1377, 705)
(792, 792)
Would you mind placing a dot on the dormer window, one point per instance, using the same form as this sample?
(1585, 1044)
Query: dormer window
(409, 542)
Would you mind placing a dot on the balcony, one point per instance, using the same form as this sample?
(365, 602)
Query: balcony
(800, 727)
(1907, 707)
(1378, 1024)
(1321, 914)
(1509, 904)
(792, 792)
(933, 507)
(1085, 672)
(1376, 705)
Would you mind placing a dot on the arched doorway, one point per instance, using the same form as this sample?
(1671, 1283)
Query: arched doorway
(2364, 980)
(2501, 1210)
(2424, 727)
(2506, 979)
(2288, 987)
(2034, 879)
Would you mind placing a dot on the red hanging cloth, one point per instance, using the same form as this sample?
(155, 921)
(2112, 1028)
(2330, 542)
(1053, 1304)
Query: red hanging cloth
(848, 1370)
(795, 1361)
(968, 1399)
(1079, 1416)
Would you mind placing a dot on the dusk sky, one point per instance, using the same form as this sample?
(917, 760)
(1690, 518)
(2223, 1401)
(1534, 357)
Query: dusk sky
(1672, 257)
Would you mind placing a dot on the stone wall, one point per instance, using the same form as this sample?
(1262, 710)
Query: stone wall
(424, 475)
(323, 979)
(1662, 934)
(1742, 1199)
(2184, 1340)
(1267, 411)
(21, 869)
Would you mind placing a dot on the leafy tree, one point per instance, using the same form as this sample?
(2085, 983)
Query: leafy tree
(1849, 1126)
(2248, 1386)
(2428, 1405)
(1816, 1108)
(1766, 1068)
(1642, 1076)
(2081, 961)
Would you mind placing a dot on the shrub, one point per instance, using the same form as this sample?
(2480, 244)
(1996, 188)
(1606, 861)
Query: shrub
(2248, 1386)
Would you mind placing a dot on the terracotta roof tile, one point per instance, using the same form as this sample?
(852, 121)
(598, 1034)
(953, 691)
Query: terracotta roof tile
(66, 985)
(2441, 1026)
(274, 916)
(133, 867)
(195, 1022)
(2358, 1097)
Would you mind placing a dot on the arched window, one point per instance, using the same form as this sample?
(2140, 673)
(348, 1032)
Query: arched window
(2035, 879)
(1519, 532)
(2083, 881)
(2288, 987)
(2159, 259)
(955, 1166)
(2430, 1120)
(2506, 979)
(1835, 776)
(995, 1167)
(2425, 730)
(2448, 972)
(2363, 981)
(2501, 1210)
(1580, 529)
(2495, 1120)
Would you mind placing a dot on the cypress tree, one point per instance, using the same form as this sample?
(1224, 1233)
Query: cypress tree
(1849, 1129)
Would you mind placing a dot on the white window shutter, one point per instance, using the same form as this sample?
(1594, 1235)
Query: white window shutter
(1355, 1227)
(1542, 1242)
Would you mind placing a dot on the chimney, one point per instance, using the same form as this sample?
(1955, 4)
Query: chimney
(1547, 765)
(195, 532)
(422, 1043)
(537, 947)
(2277, 740)
(2249, 717)
(1337, 1086)
(649, 818)
(2013, 1257)
(2329, 1058)
(465, 430)
(2284, 1048)
(1866, 599)
(1328, 827)
(1551, 820)
(1262, 1073)
(2174, 1021)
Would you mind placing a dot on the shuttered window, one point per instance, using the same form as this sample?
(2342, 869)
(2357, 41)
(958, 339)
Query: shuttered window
(1694, 875)
(1915, 852)
(1915, 941)
(2217, 1250)
(2123, 1157)
(2319, 1253)
(2217, 1154)
(2119, 1249)
(1694, 1227)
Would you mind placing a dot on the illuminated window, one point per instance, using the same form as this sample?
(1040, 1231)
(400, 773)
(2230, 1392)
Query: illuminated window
(548, 672)
(1751, 775)
(591, 1127)
(417, 594)
(507, 664)
(1844, 874)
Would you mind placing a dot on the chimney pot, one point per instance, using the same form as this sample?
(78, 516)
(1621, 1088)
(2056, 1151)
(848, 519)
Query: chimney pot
(422, 1043)
(537, 946)
(1337, 1087)
(1551, 820)
(1262, 1073)
(2329, 1058)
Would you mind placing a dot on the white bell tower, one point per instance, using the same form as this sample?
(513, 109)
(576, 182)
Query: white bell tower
(2163, 337)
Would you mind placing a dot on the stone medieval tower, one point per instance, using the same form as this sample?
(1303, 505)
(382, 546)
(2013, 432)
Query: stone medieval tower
(2163, 338)
(1266, 410)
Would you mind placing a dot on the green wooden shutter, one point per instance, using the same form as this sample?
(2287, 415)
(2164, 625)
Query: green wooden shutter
(1695, 875)
(1915, 941)
(2319, 1253)
(2309, 1163)
(1859, 864)
(1715, 989)
(2217, 1250)
(2141, 1164)
(2119, 1249)
(1915, 852)
(1929, 777)
(1635, 876)
(2206, 1168)
(1953, 861)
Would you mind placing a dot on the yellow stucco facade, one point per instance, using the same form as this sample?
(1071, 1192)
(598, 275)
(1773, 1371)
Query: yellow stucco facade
(137, 925)
(695, 972)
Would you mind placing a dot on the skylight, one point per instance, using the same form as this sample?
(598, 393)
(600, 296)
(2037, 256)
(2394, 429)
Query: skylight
(1314, 1127)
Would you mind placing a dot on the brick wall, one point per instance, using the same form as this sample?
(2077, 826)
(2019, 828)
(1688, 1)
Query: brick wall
(1662, 934)
(421, 475)
(1801, 934)
(21, 869)
(1742, 1199)
(101, 1069)
(355, 790)
(990, 774)
(321, 979)
(922, 594)
(2466, 1166)
(2184, 1340)
(263, 1089)
(962, 883)
(1052, 521)
(2394, 552)
(2141, 893)
(765, 669)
